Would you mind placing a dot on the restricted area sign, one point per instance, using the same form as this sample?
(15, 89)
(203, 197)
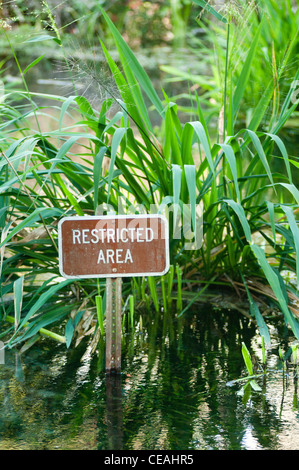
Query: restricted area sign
(113, 246)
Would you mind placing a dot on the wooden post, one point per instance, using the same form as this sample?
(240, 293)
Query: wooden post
(113, 324)
(113, 247)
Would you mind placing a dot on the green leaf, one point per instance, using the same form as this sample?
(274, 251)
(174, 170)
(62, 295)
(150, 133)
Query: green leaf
(71, 326)
(295, 231)
(230, 156)
(134, 71)
(37, 325)
(172, 149)
(69, 331)
(84, 106)
(245, 73)
(132, 109)
(263, 329)
(153, 290)
(36, 61)
(42, 300)
(247, 359)
(242, 217)
(100, 314)
(259, 148)
(274, 283)
(117, 138)
(284, 153)
(292, 189)
(254, 385)
(261, 108)
(41, 37)
(270, 206)
(211, 10)
(97, 170)
(44, 211)
(187, 139)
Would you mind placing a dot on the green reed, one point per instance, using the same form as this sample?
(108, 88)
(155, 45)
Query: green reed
(90, 158)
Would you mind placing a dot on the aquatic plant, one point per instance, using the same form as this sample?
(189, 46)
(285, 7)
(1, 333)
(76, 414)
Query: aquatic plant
(113, 158)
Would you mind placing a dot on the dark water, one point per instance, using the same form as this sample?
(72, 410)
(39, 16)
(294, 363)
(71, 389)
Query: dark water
(172, 393)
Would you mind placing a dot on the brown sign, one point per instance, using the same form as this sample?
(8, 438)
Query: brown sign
(113, 246)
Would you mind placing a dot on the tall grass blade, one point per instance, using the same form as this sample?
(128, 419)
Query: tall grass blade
(132, 309)
(133, 68)
(273, 281)
(42, 299)
(246, 71)
(242, 217)
(31, 219)
(179, 288)
(292, 189)
(117, 138)
(35, 62)
(153, 290)
(284, 153)
(187, 140)
(261, 153)
(271, 211)
(69, 332)
(295, 231)
(261, 107)
(205, 5)
(100, 315)
(97, 174)
(255, 311)
(230, 156)
(247, 359)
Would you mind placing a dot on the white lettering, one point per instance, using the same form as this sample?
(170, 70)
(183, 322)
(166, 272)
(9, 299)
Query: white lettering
(94, 234)
(110, 256)
(128, 257)
(119, 256)
(115, 460)
(85, 233)
(149, 234)
(76, 236)
(131, 230)
(110, 235)
(123, 239)
(101, 232)
(139, 234)
(101, 257)
(115, 257)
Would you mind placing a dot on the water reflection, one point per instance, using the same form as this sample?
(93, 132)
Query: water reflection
(114, 411)
(172, 392)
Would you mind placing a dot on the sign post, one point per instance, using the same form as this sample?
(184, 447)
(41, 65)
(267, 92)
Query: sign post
(113, 247)
(113, 324)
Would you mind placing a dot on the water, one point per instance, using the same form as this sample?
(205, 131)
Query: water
(172, 393)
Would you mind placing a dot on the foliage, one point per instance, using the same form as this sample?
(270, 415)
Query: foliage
(223, 47)
(257, 371)
(89, 158)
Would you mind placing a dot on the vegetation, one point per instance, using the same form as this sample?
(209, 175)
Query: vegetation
(140, 149)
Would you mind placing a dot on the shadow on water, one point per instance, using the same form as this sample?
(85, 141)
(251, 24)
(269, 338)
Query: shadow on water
(172, 393)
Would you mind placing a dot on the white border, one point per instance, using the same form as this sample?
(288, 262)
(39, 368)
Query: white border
(105, 217)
